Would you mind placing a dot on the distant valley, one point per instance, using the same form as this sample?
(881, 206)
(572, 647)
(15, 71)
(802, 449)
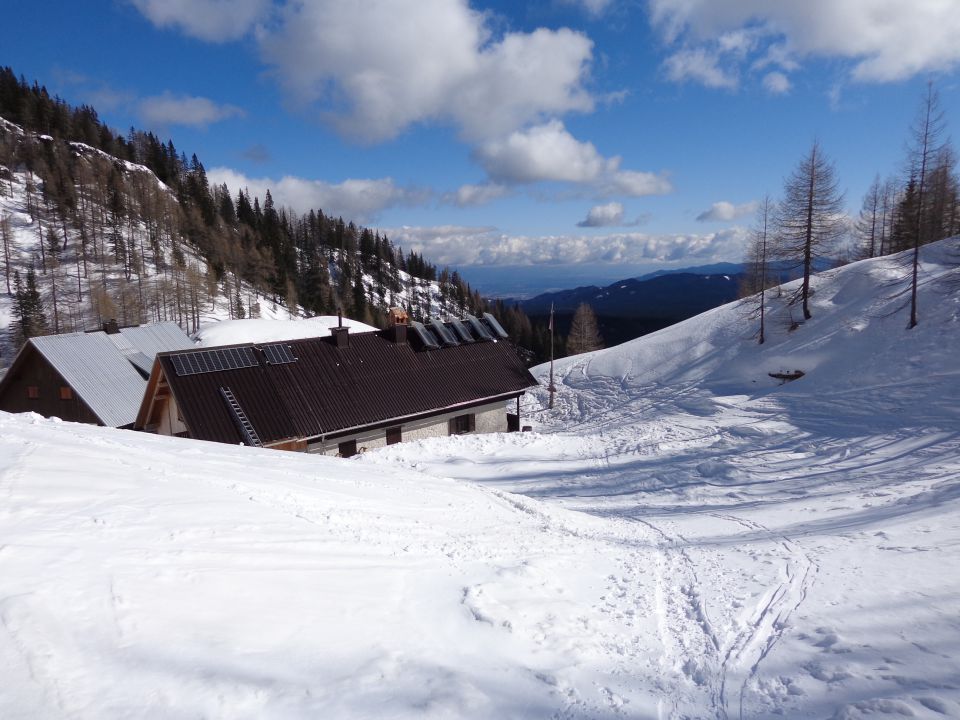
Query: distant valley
(636, 306)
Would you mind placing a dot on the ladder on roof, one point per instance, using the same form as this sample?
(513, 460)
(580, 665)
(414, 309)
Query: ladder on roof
(240, 418)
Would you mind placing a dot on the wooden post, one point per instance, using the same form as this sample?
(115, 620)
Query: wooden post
(551, 387)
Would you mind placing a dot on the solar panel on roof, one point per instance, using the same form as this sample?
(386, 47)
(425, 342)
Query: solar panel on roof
(425, 336)
(205, 361)
(461, 330)
(442, 332)
(278, 354)
(479, 329)
(493, 323)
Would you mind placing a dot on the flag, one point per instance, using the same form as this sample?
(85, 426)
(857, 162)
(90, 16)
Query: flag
(550, 326)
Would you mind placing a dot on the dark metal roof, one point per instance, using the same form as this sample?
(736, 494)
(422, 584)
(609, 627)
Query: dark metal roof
(327, 389)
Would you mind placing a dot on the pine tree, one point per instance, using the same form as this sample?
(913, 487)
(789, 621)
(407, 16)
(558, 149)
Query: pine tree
(28, 308)
(584, 333)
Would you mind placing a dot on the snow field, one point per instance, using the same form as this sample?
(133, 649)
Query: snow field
(682, 537)
(806, 536)
(150, 577)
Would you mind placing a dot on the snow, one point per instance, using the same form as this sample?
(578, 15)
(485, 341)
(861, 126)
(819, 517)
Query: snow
(255, 330)
(682, 537)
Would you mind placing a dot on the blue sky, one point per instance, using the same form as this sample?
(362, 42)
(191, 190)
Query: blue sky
(575, 140)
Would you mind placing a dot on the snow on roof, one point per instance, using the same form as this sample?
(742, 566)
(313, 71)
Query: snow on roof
(235, 332)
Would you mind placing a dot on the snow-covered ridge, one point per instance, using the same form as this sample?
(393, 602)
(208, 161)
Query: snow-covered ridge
(857, 336)
(83, 148)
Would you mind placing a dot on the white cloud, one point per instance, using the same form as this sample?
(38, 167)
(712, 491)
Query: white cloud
(885, 40)
(631, 183)
(468, 195)
(549, 152)
(609, 215)
(700, 66)
(543, 152)
(359, 200)
(776, 83)
(169, 109)
(426, 60)
(460, 246)
(724, 211)
(213, 20)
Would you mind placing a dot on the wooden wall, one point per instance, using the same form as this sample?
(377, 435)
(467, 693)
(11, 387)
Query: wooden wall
(35, 371)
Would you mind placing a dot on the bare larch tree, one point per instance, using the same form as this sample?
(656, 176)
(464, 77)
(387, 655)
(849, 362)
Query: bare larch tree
(584, 333)
(925, 146)
(810, 218)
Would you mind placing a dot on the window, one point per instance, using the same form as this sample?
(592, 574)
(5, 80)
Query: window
(463, 424)
(66, 392)
(394, 435)
(347, 448)
(33, 392)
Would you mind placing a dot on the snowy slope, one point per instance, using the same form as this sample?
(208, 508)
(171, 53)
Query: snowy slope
(213, 301)
(681, 537)
(153, 577)
(809, 533)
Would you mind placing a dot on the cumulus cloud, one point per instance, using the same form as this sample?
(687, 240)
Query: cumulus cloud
(609, 215)
(356, 199)
(212, 20)
(464, 246)
(884, 40)
(169, 109)
(433, 60)
(543, 152)
(724, 211)
(469, 195)
(548, 152)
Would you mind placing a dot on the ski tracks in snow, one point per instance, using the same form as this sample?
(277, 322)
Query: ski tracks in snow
(713, 663)
(768, 621)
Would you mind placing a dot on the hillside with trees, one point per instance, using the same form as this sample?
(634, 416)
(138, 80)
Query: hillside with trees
(96, 225)
(909, 209)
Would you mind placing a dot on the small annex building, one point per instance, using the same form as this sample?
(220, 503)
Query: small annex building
(90, 377)
(342, 393)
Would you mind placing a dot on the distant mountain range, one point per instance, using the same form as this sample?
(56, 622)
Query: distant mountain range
(636, 306)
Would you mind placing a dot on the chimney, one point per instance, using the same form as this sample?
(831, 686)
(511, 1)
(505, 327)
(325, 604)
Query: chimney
(110, 327)
(397, 331)
(341, 336)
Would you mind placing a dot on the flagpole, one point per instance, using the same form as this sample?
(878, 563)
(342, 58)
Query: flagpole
(552, 388)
